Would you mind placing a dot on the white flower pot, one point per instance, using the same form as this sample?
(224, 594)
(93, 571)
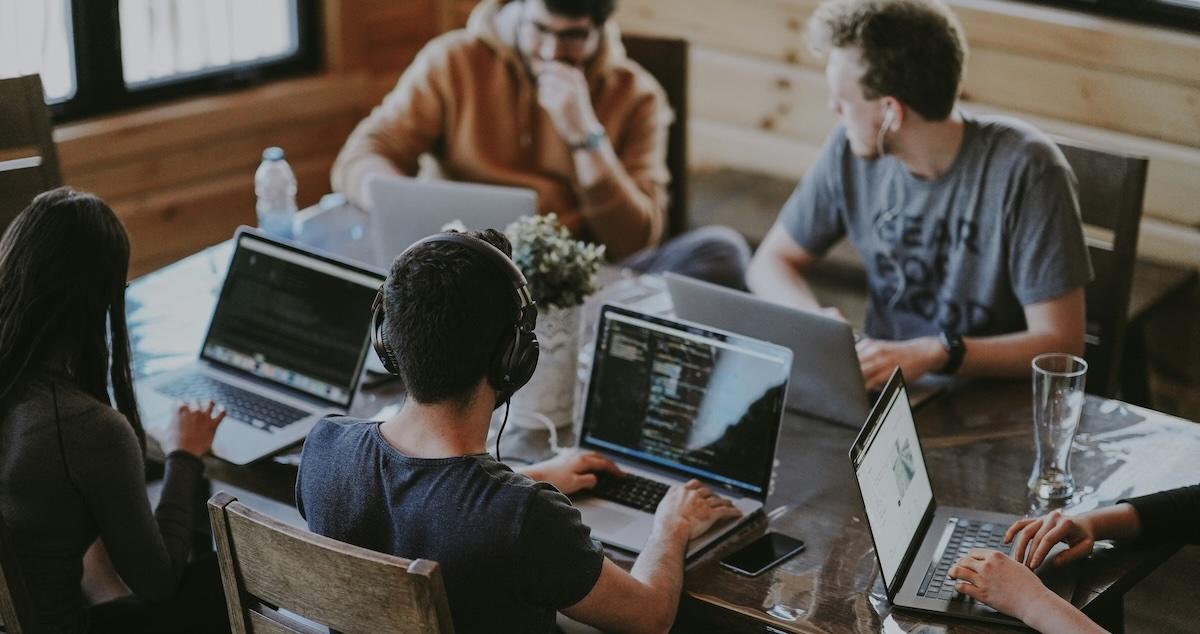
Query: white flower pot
(551, 391)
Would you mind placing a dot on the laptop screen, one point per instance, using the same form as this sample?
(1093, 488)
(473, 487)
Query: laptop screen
(294, 318)
(702, 403)
(891, 475)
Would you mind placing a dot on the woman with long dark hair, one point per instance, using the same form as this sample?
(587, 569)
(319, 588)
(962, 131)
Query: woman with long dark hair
(72, 446)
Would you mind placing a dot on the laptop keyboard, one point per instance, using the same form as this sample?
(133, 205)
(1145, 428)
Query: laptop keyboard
(248, 407)
(632, 490)
(967, 535)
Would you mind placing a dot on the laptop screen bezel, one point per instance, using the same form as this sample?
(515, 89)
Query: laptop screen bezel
(785, 354)
(890, 396)
(248, 233)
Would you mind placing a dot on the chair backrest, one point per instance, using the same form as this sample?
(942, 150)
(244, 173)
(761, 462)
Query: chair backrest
(667, 61)
(16, 608)
(28, 159)
(1111, 190)
(268, 566)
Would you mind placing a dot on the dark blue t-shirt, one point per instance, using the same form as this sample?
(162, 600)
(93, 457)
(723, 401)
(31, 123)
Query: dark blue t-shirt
(512, 551)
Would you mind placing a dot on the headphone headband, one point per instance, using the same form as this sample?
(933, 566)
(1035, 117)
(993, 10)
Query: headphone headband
(516, 357)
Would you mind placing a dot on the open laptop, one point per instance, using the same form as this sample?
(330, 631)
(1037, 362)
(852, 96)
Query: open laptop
(670, 401)
(407, 209)
(284, 347)
(826, 381)
(916, 540)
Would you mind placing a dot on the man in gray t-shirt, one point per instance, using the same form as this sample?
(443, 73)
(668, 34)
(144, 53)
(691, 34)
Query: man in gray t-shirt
(968, 226)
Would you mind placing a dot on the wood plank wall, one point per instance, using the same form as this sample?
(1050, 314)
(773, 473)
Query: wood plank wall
(758, 99)
(181, 174)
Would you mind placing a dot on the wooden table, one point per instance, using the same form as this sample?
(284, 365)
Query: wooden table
(977, 440)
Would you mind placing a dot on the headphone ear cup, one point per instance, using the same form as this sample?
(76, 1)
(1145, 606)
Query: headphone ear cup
(378, 341)
(525, 359)
(514, 365)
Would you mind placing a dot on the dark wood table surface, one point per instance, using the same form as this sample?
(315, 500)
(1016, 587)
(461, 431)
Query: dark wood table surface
(977, 440)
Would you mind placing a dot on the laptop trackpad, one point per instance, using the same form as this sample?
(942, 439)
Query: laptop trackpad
(610, 521)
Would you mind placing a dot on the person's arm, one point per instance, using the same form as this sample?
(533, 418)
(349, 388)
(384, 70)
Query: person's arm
(1004, 584)
(777, 271)
(646, 598)
(1169, 515)
(571, 471)
(149, 552)
(623, 190)
(1033, 538)
(1056, 325)
(408, 123)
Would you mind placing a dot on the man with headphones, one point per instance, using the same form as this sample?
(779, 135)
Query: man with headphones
(455, 321)
(968, 225)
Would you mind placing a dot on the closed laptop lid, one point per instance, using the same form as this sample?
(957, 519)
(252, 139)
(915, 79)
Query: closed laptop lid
(889, 466)
(826, 378)
(293, 317)
(692, 400)
(408, 209)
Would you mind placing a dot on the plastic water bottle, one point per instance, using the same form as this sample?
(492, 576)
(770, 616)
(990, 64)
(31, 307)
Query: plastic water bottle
(275, 186)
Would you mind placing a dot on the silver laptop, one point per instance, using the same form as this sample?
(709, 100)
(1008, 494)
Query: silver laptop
(917, 541)
(670, 401)
(827, 380)
(407, 209)
(284, 347)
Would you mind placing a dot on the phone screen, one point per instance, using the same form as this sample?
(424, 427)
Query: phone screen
(761, 554)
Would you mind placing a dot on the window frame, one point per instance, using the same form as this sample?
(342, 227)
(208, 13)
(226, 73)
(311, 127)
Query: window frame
(1157, 13)
(99, 72)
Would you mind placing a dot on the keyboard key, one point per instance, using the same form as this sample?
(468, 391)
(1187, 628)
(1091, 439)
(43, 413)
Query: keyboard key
(254, 409)
(633, 491)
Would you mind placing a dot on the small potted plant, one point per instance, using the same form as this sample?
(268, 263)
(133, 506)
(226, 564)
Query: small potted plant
(561, 274)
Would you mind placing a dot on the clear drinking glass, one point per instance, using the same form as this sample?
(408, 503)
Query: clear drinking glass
(1057, 403)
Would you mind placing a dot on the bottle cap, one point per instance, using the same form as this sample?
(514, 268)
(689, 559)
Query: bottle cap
(273, 153)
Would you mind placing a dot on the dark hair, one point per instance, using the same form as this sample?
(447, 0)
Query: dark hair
(63, 265)
(445, 309)
(913, 50)
(598, 10)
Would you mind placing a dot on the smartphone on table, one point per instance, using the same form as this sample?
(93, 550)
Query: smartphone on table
(762, 554)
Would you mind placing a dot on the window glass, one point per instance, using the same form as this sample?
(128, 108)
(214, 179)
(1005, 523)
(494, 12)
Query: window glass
(35, 37)
(171, 40)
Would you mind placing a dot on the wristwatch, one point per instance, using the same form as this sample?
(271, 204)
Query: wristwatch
(591, 140)
(955, 348)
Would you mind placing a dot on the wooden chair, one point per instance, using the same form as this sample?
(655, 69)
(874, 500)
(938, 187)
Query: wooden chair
(667, 60)
(1111, 189)
(269, 567)
(16, 608)
(28, 159)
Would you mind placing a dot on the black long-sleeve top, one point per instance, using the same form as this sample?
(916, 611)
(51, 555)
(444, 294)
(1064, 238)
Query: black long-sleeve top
(71, 470)
(1170, 515)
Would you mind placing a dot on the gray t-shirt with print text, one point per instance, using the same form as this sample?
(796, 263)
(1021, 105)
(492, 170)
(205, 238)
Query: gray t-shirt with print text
(963, 252)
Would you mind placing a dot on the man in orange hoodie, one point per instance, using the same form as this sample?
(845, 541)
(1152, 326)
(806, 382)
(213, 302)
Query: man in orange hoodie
(539, 94)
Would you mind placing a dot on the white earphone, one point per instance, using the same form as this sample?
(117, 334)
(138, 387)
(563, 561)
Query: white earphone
(888, 118)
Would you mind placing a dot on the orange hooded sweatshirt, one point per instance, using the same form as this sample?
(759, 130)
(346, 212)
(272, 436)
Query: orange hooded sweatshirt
(469, 100)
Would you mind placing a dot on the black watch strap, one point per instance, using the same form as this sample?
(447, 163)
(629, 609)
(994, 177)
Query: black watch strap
(956, 350)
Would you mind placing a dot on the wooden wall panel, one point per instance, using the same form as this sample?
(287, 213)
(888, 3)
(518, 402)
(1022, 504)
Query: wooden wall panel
(1127, 87)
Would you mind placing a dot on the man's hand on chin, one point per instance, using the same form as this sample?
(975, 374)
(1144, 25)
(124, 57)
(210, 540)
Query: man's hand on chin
(915, 357)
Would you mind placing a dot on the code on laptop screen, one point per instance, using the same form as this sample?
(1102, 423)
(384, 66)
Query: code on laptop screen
(699, 402)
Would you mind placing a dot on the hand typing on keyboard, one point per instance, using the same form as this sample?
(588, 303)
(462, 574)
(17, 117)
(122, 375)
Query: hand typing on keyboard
(692, 509)
(192, 428)
(572, 471)
(1002, 583)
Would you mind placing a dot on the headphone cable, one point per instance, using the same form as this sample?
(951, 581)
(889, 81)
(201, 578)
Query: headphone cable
(507, 406)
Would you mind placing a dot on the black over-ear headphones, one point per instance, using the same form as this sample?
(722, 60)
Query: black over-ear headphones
(516, 354)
